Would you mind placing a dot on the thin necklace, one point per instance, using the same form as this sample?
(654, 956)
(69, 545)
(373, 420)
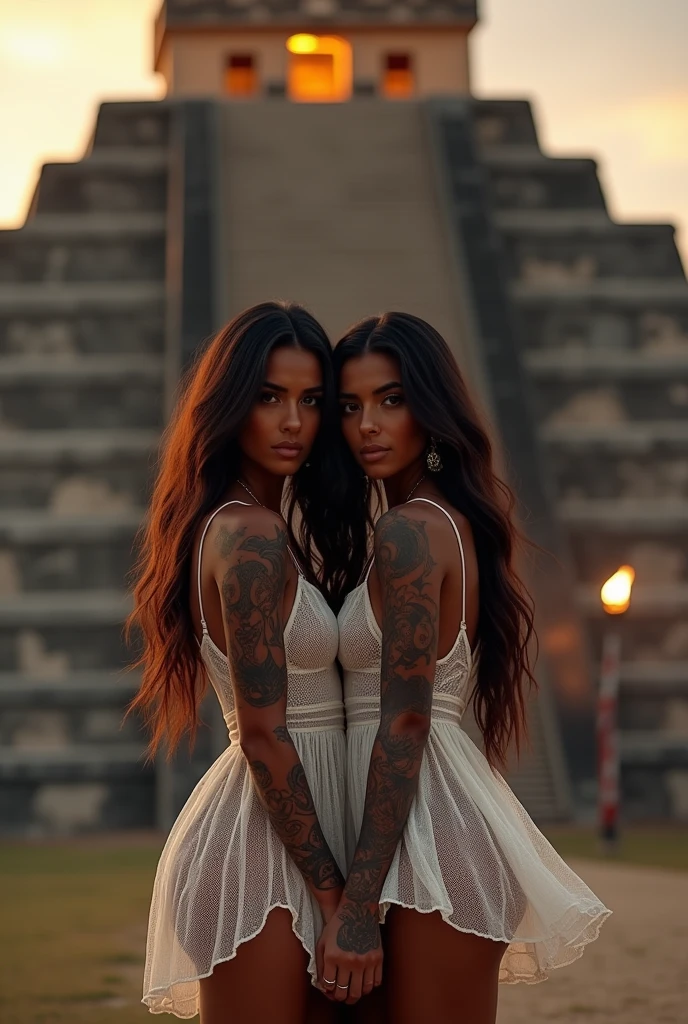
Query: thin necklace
(249, 491)
(420, 481)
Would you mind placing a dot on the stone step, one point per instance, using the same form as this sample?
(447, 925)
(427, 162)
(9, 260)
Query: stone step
(599, 364)
(628, 515)
(658, 678)
(76, 471)
(52, 227)
(72, 297)
(134, 331)
(27, 256)
(616, 468)
(619, 436)
(49, 728)
(654, 748)
(576, 293)
(504, 123)
(63, 371)
(659, 557)
(98, 392)
(548, 254)
(81, 789)
(42, 551)
(141, 125)
(56, 632)
(100, 185)
(527, 183)
(85, 689)
(605, 329)
(569, 401)
(651, 631)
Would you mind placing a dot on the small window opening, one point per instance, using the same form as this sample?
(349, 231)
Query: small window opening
(241, 77)
(397, 82)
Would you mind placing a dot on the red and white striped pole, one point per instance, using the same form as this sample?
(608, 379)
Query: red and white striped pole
(616, 598)
(608, 739)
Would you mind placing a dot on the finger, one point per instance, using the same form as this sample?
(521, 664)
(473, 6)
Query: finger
(368, 981)
(355, 986)
(329, 975)
(378, 974)
(342, 989)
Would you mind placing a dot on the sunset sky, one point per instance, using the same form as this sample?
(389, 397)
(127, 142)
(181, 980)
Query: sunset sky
(609, 78)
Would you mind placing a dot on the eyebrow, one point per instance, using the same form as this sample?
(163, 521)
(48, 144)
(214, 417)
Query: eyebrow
(278, 387)
(377, 391)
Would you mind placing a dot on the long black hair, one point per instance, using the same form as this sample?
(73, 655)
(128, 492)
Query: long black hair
(200, 458)
(439, 400)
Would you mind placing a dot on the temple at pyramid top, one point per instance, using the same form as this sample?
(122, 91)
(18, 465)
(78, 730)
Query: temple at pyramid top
(314, 50)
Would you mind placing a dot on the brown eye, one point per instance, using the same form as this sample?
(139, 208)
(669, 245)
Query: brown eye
(393, 400)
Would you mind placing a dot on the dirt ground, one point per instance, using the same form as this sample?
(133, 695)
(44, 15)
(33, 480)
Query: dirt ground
(636, 972)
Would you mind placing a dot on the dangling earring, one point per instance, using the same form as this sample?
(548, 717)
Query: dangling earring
(307, 465)
(433, 460)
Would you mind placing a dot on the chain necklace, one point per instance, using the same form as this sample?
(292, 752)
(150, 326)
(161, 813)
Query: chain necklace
(416, 485)
(249, 491)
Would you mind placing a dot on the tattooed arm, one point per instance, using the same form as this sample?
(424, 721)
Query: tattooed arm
(411, 583)
(251, 575)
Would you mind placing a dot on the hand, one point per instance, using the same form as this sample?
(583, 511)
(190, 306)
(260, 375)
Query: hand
(349, 953)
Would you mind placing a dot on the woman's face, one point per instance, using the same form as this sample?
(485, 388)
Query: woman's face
(279, 432)
(377, 423)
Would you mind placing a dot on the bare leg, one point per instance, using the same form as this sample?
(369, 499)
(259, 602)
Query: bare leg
(266, 981)
(438, 974)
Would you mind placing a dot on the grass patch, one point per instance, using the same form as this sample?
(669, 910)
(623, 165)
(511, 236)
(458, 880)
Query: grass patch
(74, 927)
(647, 847)
(74, 921)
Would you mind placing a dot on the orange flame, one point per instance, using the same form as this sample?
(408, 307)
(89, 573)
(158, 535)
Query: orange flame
(616, 592)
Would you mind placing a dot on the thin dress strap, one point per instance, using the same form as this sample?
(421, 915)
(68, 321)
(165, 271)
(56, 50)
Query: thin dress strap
(204, 626)
(463, 560)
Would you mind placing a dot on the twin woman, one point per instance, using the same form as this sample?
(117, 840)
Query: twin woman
(351, 854)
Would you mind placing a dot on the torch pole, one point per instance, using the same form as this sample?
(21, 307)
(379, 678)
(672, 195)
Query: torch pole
(608, 740)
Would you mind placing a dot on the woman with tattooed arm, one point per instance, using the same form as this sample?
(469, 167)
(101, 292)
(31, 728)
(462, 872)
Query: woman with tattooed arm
(227, 592)
(469, 891)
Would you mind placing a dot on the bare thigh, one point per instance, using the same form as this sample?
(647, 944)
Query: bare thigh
(435, 973)
(266, 981)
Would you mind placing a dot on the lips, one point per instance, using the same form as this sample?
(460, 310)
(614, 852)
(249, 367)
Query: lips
(288, 449)
(369, 449)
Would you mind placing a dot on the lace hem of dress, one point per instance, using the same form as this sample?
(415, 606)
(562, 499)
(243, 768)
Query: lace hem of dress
(530, 970)
(160, 1000)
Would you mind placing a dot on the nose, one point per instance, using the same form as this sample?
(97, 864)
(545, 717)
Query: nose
(368, 426)
(291, 422)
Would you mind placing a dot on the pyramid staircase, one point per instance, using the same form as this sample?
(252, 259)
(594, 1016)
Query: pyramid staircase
(601, 314)
(82, 301)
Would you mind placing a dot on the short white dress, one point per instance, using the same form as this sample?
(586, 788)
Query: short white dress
(223, 867)
(469, 849)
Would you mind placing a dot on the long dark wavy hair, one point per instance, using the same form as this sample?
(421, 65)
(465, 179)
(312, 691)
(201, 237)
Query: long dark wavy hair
(200, 458)
(439, 400)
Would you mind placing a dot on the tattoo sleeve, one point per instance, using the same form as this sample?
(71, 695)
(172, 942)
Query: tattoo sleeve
(252, 595)
(409, 651)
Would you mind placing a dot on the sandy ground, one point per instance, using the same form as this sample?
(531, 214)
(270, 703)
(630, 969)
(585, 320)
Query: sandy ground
(636, 972)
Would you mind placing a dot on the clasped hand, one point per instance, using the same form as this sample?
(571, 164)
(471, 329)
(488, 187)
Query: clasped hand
(349, 953)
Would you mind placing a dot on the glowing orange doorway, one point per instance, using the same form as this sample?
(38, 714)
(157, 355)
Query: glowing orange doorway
(320, 69)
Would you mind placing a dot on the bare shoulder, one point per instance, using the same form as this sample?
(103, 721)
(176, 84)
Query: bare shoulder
(422, 531)
(242, 530)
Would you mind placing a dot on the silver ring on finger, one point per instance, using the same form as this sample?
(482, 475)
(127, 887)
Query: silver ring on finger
(342, 986)
(326, 981)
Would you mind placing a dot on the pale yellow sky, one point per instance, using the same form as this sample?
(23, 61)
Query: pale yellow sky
(608, 78)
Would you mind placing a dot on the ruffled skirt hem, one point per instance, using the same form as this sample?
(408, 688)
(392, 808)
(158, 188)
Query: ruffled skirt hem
(563, 947)
(162, 1000)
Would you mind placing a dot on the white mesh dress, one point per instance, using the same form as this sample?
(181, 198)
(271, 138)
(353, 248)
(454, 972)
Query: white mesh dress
(224, 868)
(468, 849)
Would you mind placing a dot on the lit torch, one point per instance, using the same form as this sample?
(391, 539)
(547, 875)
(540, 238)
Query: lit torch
(616, 599)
